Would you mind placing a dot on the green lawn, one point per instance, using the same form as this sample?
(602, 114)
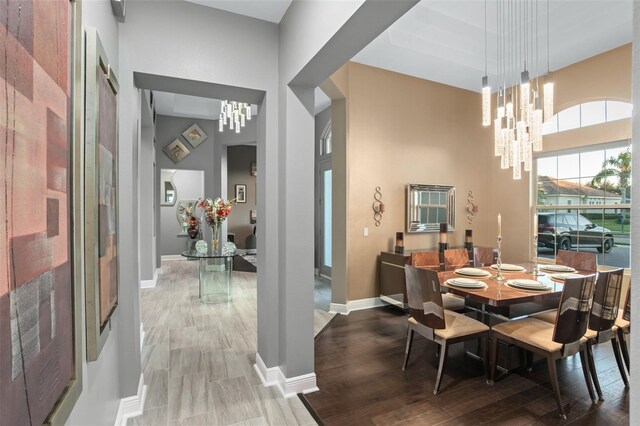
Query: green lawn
(614, 226)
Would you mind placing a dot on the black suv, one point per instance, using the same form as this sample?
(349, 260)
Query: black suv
(561, 231)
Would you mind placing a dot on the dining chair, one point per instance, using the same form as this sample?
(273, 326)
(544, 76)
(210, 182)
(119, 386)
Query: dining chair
(602, 320)
(577, 260)
(456, 258)
(623, 322)
(484, 256)
(431, 260)
(431, 320)
(564, 338)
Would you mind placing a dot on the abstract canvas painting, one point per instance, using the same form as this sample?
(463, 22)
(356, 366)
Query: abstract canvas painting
(36, 284)
(101, 194)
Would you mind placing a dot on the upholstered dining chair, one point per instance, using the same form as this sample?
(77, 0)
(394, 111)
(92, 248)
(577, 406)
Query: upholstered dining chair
(484, 256)
(431, 260)
(431, 320)
(577, 260)
(426, 259)
(623, 322)
(564, 338)
(456, 258)
(602, 320)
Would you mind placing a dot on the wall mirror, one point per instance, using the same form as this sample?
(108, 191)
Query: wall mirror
(430, 205)
(168, 192)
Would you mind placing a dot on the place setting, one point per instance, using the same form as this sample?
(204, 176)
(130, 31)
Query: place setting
(564, 276)
(557, 268)
(473, 272)
(508, 267)
(468, 283)
(527, 284)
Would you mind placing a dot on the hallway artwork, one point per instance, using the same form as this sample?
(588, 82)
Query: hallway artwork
(36, 288)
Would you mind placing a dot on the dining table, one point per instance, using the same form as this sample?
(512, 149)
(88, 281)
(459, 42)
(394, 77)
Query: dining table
(503, 300)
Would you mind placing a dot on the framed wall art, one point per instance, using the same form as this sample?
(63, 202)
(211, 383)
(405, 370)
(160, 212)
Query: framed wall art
(194, 135)
(241, 193)
(176, 151)
(101, 187)
(40, 353)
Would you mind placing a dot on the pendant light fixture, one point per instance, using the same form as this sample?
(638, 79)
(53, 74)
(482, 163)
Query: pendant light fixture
(235, 113)
(519, 111)
(486, 89)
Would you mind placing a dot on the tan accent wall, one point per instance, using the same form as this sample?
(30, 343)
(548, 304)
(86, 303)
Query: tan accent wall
(402, 129)
(605, 76)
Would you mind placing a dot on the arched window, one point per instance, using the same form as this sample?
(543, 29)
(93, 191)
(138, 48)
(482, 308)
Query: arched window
(587, 114)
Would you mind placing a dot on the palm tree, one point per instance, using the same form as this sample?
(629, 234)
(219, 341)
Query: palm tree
(619, 167)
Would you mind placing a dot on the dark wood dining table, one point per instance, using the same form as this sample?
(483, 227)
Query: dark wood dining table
(505, 298)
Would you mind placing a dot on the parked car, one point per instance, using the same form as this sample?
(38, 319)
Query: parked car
(562, 231)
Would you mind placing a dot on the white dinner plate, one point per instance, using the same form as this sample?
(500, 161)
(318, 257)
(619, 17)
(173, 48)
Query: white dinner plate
(472, 272)
(564, 275)
(557, 268)
(465, 283)
(528, 284)
(508, 267)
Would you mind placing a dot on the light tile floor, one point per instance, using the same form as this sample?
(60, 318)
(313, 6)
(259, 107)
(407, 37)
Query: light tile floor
(198, 359)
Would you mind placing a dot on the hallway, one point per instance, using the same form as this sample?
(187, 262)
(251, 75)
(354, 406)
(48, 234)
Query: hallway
(198, 359)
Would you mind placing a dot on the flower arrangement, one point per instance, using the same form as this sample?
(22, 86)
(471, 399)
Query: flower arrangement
(215, 212)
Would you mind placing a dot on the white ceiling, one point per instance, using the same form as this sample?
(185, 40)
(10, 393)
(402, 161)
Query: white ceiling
(267, 10)
(443, 41)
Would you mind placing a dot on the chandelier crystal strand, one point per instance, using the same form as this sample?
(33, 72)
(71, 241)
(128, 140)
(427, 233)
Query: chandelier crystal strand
(486, 89)
(548, 85)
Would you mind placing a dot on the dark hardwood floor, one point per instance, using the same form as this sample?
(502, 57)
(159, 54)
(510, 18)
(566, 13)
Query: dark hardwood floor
(358, 367)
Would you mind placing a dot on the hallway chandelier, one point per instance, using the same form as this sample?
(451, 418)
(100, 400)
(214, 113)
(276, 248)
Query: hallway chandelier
(235, 114)
(519, 113)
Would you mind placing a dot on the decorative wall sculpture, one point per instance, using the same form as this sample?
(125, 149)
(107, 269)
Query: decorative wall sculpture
(38, 360)
(176, 151)
(194, 135)
(101, 183)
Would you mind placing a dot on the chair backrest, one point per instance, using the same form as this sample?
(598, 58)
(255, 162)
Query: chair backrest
(573, 312)
(484, 256)
(577, 260)
(626, 314)
(426, 259)
(456, 258)
(424, 297)
(606, 300)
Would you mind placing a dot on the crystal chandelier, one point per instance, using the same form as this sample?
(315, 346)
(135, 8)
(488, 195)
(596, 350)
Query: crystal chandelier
(519, 113)
(235, 114)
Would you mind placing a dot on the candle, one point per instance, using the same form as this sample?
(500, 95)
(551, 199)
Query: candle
(499, 225)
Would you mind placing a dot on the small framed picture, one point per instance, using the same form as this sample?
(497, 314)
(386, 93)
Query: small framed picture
(176, 151)
(252, 217)
(254, 170)
(194, 135)
(241, 193)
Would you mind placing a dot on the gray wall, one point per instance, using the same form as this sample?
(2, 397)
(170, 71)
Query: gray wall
(101, 381)
(201, 158)
(239, 159)
(189, 185)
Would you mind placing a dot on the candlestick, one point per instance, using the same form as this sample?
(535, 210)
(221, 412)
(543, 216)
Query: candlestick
(499, 225)
(499, 276)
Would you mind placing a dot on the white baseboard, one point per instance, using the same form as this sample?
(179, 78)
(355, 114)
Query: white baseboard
(355, 305)
(141, 336)
(132, 406)
(288, 387)
(152, 282)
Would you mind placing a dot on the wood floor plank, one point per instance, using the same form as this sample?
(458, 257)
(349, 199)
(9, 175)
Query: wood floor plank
(358, 360)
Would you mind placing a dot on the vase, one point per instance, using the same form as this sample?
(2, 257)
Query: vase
(215, 237)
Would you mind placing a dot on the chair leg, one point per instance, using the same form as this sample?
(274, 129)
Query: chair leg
(443, 357)
(587, 374)
(594, 372)
(625, 350)
(553, 375)
(485, 355)
(408, 347)
(616, 352)
(494, 360)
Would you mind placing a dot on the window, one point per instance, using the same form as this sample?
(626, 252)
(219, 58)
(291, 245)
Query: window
(325, 141)
(584, 202)
(587, 114)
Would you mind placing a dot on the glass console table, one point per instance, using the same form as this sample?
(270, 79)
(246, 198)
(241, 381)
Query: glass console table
(215, 276)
